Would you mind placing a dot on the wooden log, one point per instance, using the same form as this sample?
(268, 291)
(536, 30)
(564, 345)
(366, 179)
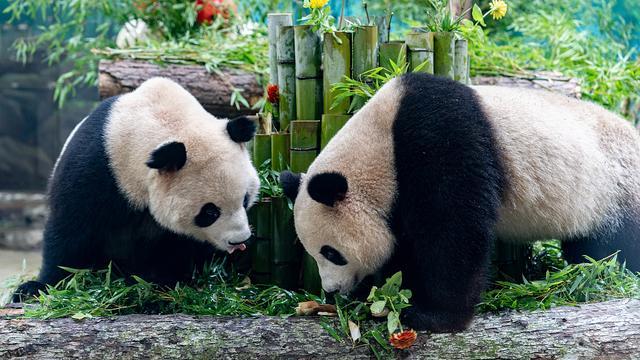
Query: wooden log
(308, 73)
(212, 90)
(444, 44)
(336, 59)
(420, 45)
(274, 22)
(286, 77)
(461, 61)
(608, 330)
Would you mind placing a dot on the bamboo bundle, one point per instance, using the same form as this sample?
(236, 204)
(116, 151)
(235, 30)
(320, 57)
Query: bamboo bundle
(444, 54)
(365, 55)
(461, 62)
(420, 46)
(330, 125)
(304, 143)
(279, 151)
(286, 76)
(308, 73)
(336, 59)
(285, 250)
(392, 51)
(274, 21)
(260, 250)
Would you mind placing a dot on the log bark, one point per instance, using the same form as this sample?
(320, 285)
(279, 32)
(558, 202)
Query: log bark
(609, 330)
(212, 90)
(540, 80)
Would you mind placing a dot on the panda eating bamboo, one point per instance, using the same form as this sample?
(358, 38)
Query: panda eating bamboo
(430, 172)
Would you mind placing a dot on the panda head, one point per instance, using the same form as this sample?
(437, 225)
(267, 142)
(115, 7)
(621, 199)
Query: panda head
(348, 239)
(191, 170)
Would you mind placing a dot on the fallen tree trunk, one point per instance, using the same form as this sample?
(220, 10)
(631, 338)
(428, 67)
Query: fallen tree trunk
(212, 90)
(603, 330)
(540, 80)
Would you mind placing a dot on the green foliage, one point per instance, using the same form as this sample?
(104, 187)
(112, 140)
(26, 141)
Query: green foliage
(217, 291)
(593, 281)
(390, 297)
(553, 36)
(269, 181)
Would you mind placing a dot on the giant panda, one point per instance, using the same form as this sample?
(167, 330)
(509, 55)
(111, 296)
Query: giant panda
(430, 172)
(151, 182)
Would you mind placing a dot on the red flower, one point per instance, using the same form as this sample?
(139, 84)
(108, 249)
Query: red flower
(273, 93)
(404, 339)
(209, 9)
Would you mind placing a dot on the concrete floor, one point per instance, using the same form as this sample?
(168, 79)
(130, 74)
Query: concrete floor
(11, 262)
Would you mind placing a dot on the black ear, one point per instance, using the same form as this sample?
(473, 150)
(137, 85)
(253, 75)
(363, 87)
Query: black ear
(241, 129)
(170, 156)
(328, 188)
(290, 184)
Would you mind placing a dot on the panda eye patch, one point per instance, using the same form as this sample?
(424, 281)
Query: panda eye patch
(209, 213)
(333, 255)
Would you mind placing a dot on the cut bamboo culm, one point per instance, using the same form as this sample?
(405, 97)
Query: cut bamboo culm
(286, 76)
(308, 73)
(461, 65)
(444, 54)
(336, 59)
(286, 252)
(274, 21)
(279, 152)
(330, 125)
(420, 50)
(260, 250)
(305, 136)
(365, 55)
(393, 51)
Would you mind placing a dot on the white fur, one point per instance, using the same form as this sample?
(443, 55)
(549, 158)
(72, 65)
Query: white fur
(217, 169)
(66, 144)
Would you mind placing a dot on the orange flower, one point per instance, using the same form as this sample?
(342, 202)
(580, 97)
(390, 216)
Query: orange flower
(273, 93)
(404, 339)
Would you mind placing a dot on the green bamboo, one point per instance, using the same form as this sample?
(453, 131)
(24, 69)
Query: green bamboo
(382, 23)
(330, 125)
(261, 149)
(308, 73)
(509, 261)
(286, 276)
(444, 54)
(305, 134)
(393, 51)
(461, 65)
(260, 215)
(274, 21)
(284, 247)
(311, 280)
(336, 60)
(420, 46)
(365, 55)
(279, 151)
(286, 76)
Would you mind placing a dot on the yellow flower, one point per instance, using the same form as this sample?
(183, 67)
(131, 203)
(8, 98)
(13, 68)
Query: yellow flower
(317, 4)
(498, 9)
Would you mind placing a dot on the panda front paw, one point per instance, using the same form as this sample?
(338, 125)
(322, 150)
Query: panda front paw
(28, 290)
(436, 321)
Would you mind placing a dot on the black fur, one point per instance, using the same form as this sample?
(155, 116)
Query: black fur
(290, 184)
(91, 222)
(328, 188)
(241, 129)
(450, 182)
(168, 157)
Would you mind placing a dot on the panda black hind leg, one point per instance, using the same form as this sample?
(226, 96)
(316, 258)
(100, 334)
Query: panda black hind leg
(449, 186)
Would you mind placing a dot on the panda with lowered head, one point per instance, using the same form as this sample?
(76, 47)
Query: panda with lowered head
(429, 172)
(152, 182)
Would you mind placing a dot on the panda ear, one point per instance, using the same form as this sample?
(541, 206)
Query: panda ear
(328, 188)
(169, 156)
(290, 184)
(241, 129)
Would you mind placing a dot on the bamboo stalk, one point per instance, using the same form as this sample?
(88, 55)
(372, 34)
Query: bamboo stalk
(311, 280)
(420, 46)
(279, 151)
(285, 250)
(286, 76)
(330, 125)
(260, 250)
(285, 276)
(461, 64)
(336, 59)
(365, 55)
(261, 149)
(392, 51)
(444, 54)
(382, 23)
(305, 136)
(308, 73)
(274, 21)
